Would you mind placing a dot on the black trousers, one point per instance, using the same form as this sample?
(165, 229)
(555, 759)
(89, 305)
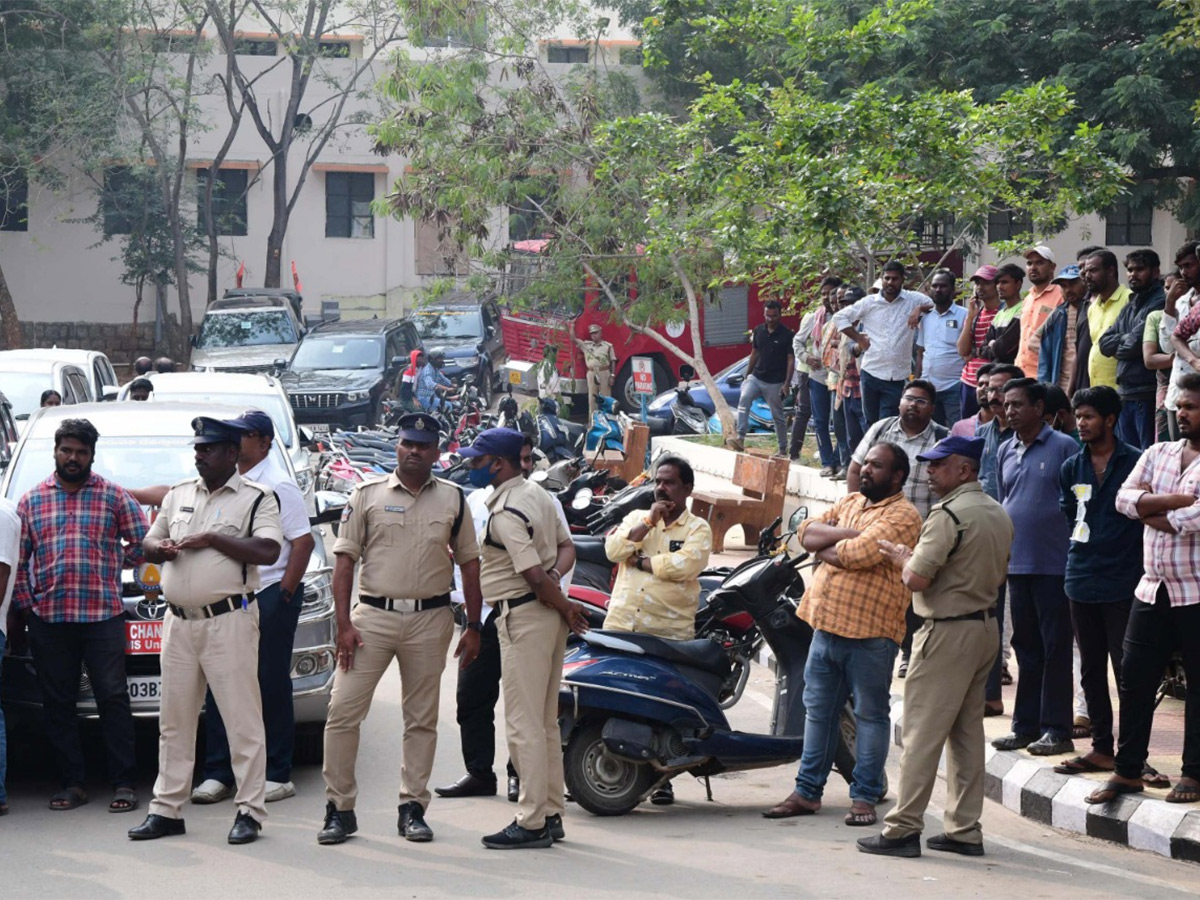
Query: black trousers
(1042, 641)
(59, 648)
(478, 691)
(1100, 633)
(1154, 633)
(800, 417)
(993, 691)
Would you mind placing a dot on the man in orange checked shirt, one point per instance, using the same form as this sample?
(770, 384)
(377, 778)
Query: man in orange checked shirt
(1041, 300)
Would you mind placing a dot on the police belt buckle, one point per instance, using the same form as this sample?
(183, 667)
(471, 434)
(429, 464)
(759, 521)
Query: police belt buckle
(402, 605)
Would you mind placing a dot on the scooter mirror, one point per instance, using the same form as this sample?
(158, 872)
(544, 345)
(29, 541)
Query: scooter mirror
(582, 500)
(798, 516)
(686, 372)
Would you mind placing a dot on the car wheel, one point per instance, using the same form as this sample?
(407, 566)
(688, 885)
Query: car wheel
(627, 397)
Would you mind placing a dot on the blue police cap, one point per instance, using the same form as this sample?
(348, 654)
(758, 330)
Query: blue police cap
(502, 442)
(254, 420)
(954, 445)
(419, 427)
(207, 430)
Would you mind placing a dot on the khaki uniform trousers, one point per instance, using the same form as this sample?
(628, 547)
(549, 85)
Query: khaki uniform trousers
(599, 381)
(222, 654)
(943, 706)
(533, 641)
(418, 641)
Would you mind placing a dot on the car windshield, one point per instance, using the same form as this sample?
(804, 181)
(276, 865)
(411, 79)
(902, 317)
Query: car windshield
(24, 390)
(132, 462)
(271, 404)
(444, 323)
(338, 352)
(246, 329)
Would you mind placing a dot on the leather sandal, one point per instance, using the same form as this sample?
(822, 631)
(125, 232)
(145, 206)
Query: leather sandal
(794, 805)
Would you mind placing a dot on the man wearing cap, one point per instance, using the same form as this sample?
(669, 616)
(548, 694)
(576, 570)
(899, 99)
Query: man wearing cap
(213, 533)
(1042, 298)
(1063, 338)
(1123, 341)
(958, 565)
(280, 597)
(404, 531)
(525, 547)
(601, 361)
(981, 309)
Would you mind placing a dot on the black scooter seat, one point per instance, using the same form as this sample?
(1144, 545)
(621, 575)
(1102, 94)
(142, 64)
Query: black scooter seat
(591, 549)
(701, 654)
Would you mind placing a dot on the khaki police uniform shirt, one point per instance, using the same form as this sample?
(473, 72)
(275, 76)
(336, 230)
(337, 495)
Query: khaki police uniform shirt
(500, 575)
(969, 578)
(199, 577)
(598, 354)
(403, 540)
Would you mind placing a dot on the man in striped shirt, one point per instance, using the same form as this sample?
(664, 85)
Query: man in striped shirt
(981, 309)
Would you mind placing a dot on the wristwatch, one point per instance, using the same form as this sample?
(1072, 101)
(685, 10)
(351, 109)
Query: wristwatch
(475, 626)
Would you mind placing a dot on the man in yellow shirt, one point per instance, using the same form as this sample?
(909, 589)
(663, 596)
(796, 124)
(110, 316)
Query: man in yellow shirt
(1043, 298)
(661, 555)
(1108, 299)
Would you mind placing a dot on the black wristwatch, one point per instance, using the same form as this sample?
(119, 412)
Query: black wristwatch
(475, 626)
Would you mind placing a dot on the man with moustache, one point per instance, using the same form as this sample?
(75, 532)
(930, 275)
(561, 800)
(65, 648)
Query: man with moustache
(1042, 298)
(1107, 298)
(981, 310)
(1123, 341)
(1060, 338)
(78, 530)
(1183, 324)
(969, 427)
(213, 533)
(955, 570)
(855, 604)
(1003, 338)
(938, 358)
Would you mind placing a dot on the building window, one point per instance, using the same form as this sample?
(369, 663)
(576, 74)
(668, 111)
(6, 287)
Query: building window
(934, 233)
(1005, 225)
(556, 53)
(348, 198)
(630, 56)
(1126, 225)
(118, 199)
(14, 202)
(256, 47)
(228, 200)
(334, 49)
(175, 42)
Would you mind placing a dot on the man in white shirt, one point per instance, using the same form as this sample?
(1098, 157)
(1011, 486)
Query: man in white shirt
(885, 339)
(479, 683)
(10, 552)
(279, 602)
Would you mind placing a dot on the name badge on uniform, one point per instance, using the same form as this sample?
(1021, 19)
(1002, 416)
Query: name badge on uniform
(190, 509)
(953, 323)
(393, 509)
(674, 546)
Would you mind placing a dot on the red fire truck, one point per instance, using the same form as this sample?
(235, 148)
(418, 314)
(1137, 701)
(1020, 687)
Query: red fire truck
(726, 320)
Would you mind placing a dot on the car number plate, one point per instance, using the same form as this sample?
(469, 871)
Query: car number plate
(321, 428)
(514, 376)
(142, 638)
(145, 687)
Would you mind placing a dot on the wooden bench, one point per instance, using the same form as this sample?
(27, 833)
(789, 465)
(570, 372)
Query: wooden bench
(763, 483)
(630, 465)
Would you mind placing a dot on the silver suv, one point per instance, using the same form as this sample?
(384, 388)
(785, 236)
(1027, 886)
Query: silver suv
(247, 333)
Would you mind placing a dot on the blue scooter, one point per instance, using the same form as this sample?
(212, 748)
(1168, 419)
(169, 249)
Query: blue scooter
(637, 710)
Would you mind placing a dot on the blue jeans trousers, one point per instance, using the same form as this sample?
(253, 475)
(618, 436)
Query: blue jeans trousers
(819, 398)
(1136, 424)
(880, 398)
(840, 668)
(947, 406)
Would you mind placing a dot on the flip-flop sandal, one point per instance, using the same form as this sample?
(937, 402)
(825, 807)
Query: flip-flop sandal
(124, 800)
(1079, 765)
(70, 798)
(1081, 731)
(866, 817)
(1115, 789)
(1184, 793)
(1151, 777)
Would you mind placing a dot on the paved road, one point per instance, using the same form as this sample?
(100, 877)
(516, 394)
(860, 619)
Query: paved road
(694, 849)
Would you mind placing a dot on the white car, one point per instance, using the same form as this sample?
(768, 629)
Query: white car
(101, 378)
(24, 378)
(249, 392)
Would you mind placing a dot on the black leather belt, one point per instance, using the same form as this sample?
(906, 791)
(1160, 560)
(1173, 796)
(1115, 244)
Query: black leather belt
(979, 615)
(229, 604)
(396, 604)
(514, 602)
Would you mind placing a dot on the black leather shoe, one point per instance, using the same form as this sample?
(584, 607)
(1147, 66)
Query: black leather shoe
(469, 786)
(1049, 745)
(908, 846)
(339, 825)
(663, 796)
(156, 826)
(245, 829)
(514, 788)
(1014, 741)
(950, 845)
(411, 823)
(555, 827)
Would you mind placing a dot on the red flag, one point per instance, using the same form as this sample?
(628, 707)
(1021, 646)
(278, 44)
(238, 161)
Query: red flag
(296, 278)
(241, 273)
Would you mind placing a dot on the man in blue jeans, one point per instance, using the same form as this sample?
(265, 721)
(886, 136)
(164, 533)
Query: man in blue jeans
(855, 604)
(10, 553)
(769, 374)
(279, 601)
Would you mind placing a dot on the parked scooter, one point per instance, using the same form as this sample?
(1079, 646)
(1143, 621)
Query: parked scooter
(605, 432)
(636, 710)
(686, 416)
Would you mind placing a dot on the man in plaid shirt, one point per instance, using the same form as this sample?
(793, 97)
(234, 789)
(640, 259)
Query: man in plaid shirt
(78, 532)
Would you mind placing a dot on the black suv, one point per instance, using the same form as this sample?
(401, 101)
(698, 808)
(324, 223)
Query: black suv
(341, 370)
(466, 327)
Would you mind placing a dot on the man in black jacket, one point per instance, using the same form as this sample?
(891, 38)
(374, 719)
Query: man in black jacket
(1135, 383)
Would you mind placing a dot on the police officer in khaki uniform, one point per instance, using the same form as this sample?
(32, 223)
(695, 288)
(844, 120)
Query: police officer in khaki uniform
(212, 533)
(525, 547)
(955, 572)
(601, 363)
(400, 529)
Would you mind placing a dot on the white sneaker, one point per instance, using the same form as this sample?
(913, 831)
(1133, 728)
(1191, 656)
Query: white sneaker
(211, 791)
(280, 791)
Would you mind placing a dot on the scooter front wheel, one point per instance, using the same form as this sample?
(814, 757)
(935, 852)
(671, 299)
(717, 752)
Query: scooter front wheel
(603, 784)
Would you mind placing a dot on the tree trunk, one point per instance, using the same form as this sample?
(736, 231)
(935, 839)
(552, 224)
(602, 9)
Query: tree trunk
(279, 223)
(13, 339)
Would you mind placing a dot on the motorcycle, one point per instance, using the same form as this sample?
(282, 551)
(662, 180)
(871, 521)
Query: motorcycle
(635, 710)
